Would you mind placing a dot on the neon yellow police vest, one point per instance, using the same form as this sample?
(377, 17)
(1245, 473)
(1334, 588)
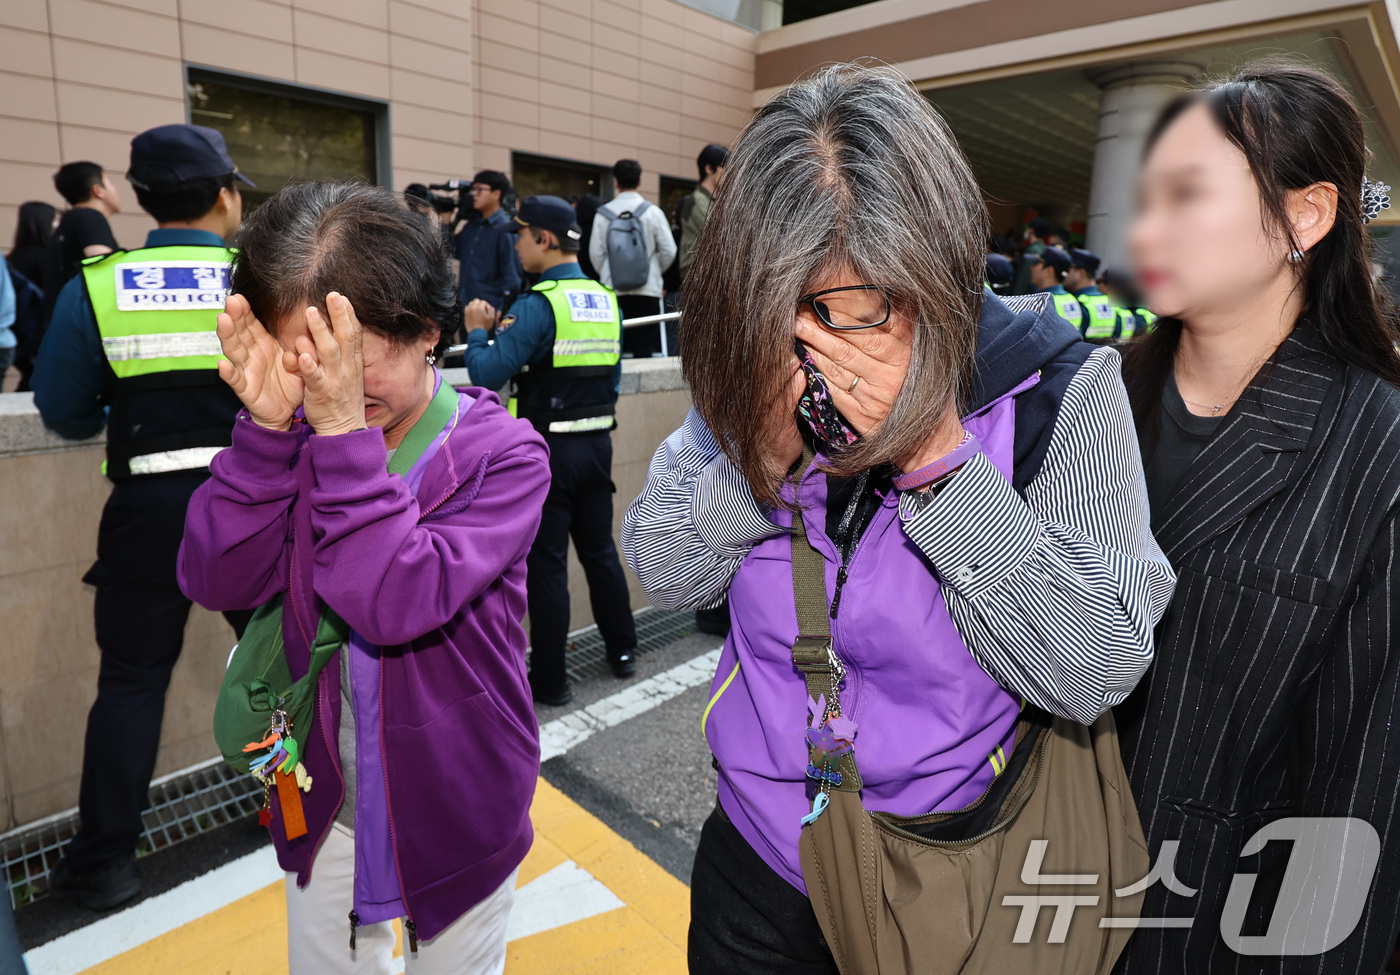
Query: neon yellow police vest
(587, 323)
(587, 342)
(1102, 317)
(156, 308)
(1067, 307)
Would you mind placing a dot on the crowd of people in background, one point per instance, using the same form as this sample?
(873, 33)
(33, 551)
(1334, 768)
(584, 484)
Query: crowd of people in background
(1102, 302)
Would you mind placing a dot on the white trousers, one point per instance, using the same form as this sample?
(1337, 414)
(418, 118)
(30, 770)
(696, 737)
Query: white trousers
(318, 926)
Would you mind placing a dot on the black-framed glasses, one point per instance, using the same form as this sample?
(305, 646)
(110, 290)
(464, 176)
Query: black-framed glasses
(849, 308)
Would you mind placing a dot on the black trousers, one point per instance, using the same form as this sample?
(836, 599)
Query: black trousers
(579, 506)
(140, 616)
(744, 918)
(643, 341)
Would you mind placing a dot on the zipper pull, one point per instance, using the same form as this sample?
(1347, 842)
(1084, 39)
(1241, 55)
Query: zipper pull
(840, 584)
(412, 930)
(354, 923)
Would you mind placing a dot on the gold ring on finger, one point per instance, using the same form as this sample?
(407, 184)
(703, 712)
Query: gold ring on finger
(852, 386)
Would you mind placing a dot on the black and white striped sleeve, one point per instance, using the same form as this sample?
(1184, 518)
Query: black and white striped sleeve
(1057, 594)
(695, 520)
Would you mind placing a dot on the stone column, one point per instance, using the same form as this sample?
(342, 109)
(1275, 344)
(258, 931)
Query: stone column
(1133, 94)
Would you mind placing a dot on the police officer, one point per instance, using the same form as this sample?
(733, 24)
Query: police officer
(1118, 285)
(1048, 275)
(1102, 324)
(561, 345)
(132, 346)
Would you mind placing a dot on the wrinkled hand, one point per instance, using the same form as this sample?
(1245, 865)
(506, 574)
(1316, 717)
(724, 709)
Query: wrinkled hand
(881, 359)
(332, 367)
(480, 314)
(257, 369)
(784, 441)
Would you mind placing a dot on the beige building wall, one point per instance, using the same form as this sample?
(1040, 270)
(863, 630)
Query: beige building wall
(48, 653)
(591, 80)
(600, 80)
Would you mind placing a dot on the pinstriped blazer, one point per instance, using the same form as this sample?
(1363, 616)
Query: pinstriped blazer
(1276, 686)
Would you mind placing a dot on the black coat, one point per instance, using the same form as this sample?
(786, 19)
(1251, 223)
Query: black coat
(1277, 677)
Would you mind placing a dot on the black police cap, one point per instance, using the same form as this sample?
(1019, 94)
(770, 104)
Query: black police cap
(179, 153)
(1055, 258)
(1087, 260)
(550, 213)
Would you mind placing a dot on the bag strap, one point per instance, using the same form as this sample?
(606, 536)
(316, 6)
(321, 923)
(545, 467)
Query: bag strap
(811, 651)
(441, 410)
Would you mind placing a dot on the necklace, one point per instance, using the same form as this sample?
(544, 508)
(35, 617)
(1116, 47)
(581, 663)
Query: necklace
(1214, 410)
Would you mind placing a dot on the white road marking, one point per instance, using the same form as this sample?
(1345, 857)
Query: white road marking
(563, 895)
(155, 916)
(562, 734)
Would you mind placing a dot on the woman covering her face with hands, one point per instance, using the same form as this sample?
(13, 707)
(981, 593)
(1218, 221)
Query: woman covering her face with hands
(358, 482)
(976, 495)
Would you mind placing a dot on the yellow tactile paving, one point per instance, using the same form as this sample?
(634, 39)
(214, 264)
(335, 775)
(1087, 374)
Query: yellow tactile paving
(249, 936)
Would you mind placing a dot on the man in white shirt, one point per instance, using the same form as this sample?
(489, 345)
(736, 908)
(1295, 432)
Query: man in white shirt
(642, 341)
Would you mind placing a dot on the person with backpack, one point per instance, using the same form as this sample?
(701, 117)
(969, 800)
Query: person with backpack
(631, 246)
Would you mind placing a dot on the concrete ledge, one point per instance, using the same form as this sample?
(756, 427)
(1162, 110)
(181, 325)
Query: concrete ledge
(23, 432)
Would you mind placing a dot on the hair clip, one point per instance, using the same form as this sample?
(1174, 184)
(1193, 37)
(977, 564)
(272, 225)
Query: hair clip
(1375, 197)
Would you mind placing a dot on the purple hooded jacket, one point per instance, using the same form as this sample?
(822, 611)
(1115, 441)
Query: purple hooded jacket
(437, 581)
(933, 728)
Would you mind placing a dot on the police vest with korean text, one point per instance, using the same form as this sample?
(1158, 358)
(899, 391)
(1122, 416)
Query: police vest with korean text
(156, 310)
(1102, 317)
(1067, 307)
(572, 389)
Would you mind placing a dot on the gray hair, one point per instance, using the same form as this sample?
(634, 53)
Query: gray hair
(853, 170)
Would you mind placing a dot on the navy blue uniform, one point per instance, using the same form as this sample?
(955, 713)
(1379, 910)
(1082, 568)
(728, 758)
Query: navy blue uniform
(580, 500)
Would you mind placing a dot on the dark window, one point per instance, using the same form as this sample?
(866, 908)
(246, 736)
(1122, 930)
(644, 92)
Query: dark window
(280, 133)
(795, 10)
(547, 176)
(672, 189)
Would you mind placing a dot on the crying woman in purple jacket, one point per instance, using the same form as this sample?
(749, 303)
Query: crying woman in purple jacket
(423, 750)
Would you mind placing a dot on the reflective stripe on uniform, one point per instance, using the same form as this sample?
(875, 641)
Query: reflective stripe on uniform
(587, 347)
(582, 426)
(187, 459)
(160, 345)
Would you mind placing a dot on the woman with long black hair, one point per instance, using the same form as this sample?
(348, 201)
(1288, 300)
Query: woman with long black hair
(1269, 420)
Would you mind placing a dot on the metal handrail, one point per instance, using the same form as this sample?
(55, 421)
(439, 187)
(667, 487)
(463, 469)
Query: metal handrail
(670, 316)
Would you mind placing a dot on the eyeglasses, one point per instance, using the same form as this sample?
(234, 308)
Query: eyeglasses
(849, 308)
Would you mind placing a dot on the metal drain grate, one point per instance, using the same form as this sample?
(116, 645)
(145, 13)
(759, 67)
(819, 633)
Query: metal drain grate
(207, 796)
(588, 657)
(183, 805)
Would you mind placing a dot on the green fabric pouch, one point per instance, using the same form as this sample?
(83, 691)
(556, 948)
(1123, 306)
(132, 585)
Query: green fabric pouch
(259, 682)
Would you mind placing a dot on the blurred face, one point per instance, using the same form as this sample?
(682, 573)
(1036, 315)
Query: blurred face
(485, 199)
(396, 375)
(109, 194)
(1043, 276)
(1199, 241)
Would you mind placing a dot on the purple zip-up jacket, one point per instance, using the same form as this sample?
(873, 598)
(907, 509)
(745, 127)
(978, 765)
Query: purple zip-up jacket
(437, 581)
(934, 727)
